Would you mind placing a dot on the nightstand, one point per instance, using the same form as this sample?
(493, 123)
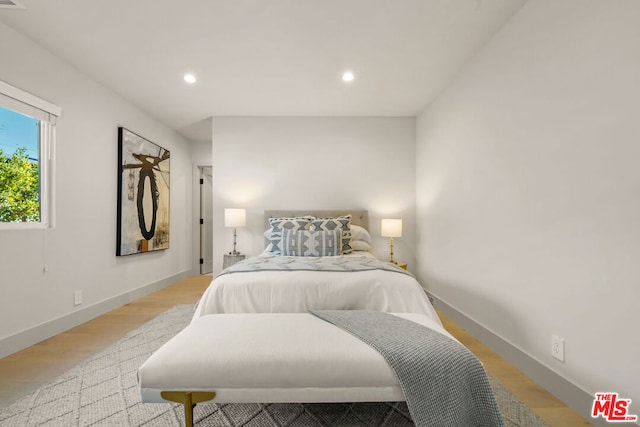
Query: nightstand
(230, 259)
(402, 265)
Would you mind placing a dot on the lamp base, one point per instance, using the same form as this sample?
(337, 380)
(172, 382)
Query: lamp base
(234, 252)
(391, 260)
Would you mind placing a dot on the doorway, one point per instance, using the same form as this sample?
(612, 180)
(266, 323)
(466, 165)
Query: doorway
(206, 219)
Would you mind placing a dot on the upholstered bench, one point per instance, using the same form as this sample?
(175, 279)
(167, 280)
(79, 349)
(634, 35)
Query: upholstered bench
(265, 358)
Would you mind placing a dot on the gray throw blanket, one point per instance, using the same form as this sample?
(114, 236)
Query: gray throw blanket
(290, 263)
(443, 383)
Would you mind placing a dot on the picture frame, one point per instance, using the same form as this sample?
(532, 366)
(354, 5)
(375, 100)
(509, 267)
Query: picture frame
(144, 171)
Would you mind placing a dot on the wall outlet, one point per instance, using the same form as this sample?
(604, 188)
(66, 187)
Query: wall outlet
(557, 347)
(77, 298)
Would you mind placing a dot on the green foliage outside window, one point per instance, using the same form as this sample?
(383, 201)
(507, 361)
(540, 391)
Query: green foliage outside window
(19, 188)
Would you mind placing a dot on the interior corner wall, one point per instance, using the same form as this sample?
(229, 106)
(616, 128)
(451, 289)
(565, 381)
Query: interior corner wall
(79, 252)
(262, 163)
(527, 190)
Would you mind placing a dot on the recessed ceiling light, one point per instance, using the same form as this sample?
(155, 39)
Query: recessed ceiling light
(347, 76)
(189, 78)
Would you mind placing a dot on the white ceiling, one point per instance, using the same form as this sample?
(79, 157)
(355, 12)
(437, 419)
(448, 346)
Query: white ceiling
(265, 57)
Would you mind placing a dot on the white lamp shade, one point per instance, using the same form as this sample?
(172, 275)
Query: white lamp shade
(391, 228)
(235, 217)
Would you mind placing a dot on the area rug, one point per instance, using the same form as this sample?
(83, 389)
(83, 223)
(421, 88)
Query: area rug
(103, 391)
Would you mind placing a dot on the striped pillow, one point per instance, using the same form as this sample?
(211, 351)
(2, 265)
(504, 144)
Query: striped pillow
(311, 243)
(278, 225)
(341, 223)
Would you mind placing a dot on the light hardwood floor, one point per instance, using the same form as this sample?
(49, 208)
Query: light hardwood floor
(25, 371)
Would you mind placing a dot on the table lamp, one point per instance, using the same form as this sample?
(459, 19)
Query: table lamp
(235, 218)
(391, 228)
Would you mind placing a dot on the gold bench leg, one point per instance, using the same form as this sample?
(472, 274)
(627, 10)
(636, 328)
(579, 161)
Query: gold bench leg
(189, 400)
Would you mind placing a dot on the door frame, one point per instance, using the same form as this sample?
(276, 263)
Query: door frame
(198, 237)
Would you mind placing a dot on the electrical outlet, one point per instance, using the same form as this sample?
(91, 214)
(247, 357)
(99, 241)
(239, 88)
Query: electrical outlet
(77, 298)
(557, 347)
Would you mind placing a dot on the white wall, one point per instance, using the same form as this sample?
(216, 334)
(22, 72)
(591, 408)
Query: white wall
(80, 251)
(528, 189)
(265, 163)
(201, 152)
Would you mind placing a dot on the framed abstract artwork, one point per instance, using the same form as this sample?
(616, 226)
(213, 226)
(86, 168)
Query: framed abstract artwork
(143, 195)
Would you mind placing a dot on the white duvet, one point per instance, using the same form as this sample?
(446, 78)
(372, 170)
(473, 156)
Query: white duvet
(301, 291)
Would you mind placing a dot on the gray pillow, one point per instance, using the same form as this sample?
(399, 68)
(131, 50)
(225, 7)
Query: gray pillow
(341, 223)
(311, 243)
(274, 238)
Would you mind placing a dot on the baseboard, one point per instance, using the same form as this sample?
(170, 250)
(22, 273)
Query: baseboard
(570, 394)
(31, 336)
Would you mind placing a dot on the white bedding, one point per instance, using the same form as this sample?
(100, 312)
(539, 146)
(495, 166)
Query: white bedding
(301, 291)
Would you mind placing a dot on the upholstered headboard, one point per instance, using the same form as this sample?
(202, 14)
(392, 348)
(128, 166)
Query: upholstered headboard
(358, 216)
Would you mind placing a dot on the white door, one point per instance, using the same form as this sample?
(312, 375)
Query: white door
(206, 220)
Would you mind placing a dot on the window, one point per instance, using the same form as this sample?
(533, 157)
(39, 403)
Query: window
(27, 125)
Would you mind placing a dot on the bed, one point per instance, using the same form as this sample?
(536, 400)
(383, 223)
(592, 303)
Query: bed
(260, 333)
(273, 283)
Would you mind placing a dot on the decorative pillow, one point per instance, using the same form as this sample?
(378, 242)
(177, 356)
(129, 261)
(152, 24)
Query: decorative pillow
(341, 223)
(360, 233)
(268, 246)
(360, 245)
(274, 237)
(311, 243)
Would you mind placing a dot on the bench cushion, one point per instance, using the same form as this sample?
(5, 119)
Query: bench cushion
(271, 357)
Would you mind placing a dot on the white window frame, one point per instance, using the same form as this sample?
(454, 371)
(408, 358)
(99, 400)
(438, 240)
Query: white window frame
(23, 102)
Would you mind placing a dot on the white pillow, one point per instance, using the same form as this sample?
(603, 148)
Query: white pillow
(360, 233)
(360, 245)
